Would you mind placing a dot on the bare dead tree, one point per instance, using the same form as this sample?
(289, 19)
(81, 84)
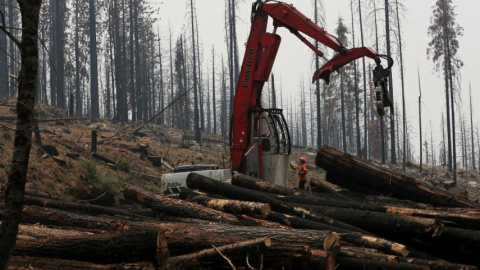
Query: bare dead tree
(17, 176)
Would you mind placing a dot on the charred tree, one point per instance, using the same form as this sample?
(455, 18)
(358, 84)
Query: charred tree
(30, 10)
(94, 98)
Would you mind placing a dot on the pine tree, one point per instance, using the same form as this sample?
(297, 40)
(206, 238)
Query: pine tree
(443, 50)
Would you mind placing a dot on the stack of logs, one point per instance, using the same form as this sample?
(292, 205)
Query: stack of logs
(253, 224)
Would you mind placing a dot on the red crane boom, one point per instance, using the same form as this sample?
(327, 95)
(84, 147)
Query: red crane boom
(260, 53)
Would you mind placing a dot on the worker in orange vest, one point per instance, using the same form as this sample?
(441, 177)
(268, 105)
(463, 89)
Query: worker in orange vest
(302, 173)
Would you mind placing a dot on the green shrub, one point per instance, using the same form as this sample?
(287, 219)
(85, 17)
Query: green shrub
(89, 172)
(122, 165)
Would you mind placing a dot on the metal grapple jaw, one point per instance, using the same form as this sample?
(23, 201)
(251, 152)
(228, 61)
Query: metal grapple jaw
(380, 80)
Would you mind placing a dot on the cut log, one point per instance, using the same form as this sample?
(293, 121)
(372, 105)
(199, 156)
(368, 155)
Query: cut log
(245, 181)
(37, 231)
(229, 206)
(361, 263)
(73, 155)
(104, 159)
(237, 248)
(384, 223)
(104, 248)
(177, 207)
(462, 218)
(29, 263)
(325, 186)
(196, 181)
(297, 222)
(433, 265)
(376, 243)
(363, 173)
(78, 207)
(182, 238)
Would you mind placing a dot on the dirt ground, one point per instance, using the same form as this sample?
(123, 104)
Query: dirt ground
(86, 177)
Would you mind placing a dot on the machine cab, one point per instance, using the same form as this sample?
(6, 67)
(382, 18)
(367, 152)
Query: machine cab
(269, 156)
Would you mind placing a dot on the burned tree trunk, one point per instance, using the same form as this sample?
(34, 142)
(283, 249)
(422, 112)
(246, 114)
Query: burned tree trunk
(98, 248)
(439, 265)
(182, 237)
(383, 222)
(363, 173)
(27, 263)
(17, 176)
(229, 206)
(196, 181)
(206, 254)
(177, 207)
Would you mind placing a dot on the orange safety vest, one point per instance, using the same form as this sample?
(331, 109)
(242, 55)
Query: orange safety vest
(302, 172)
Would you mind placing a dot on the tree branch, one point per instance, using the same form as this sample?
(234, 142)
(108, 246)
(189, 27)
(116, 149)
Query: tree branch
(4, 29)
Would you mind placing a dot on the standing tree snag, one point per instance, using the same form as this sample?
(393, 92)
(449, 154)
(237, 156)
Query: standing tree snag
(15, 188)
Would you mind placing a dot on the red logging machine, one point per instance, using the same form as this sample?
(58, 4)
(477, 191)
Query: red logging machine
(260, 143)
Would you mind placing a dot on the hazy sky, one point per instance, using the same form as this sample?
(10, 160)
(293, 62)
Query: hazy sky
(294, 58)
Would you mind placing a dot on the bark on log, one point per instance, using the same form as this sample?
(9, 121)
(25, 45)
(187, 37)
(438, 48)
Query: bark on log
(29, 263)
(229, 206)
(103, 248)
(375, 242)
(433, 265)
(181, 208)
(78, 207)
(458, 217)
(316, 259)
(358, 171)
(182, 238)
(37, 231)
(296, 222)
(196, 181)
(325, 186)
(228, 250)
(383, 222)
(245, 181)
(361, 263)
(108, 161)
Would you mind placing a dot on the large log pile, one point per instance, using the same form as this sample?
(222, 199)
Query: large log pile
(253, 224)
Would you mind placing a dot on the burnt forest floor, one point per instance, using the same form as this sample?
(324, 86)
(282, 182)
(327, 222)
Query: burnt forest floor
(82, 176)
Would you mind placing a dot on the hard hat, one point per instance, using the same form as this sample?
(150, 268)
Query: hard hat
(303, 159)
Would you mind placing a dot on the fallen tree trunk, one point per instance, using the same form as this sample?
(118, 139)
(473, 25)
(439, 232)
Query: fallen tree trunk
(196, 181)
(315, 259)
(249, 182)
(331, 243)
(99, 248)
(361, 263)
(245, 181)
(384, 223)
(182, 238)
(181, 208)
(79, 207)
(361, 172)
(229, 206)
(460, 218)
(433, 265)
(376, 243)
(29, 263)
(228, 250)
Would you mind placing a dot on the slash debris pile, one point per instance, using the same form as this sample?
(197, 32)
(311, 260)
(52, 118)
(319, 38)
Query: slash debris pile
(253, 224)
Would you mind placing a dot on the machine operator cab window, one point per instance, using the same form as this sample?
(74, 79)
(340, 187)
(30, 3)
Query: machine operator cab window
(272, 128)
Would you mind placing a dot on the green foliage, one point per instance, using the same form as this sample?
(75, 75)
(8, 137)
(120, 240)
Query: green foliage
(122, 165)
(105, 181)
(89, 171)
